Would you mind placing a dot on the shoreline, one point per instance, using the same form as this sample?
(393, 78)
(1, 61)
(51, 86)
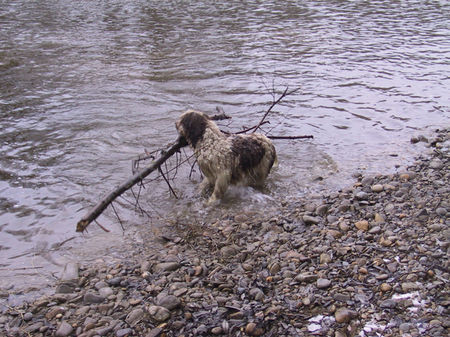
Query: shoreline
(369, 260)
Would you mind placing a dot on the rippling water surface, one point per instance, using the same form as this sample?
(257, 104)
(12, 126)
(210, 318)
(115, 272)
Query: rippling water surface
(87, 85)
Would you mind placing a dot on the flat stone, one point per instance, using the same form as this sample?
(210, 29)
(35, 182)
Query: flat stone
(70, 272)
(166, 266)
(410, 286)
(64, 329)
(91, 298)
(135, 316)
(154, 332)
(306, 277)
(123, 332)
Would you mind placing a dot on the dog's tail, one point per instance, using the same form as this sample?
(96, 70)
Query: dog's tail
(275, 163)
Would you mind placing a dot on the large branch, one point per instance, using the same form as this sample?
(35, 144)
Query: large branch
(136, 178)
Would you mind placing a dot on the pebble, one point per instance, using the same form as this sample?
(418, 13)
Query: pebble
(135, 316)
(168, 301)
(70, 272)
(166, 266)
(159, 313)
(362, 196)
(377, 188)
(323, 283)
(441, 211)
(91, 298)
(344, 315)
(362, 225)
(64, 329)
(123, 332)
(310, 220)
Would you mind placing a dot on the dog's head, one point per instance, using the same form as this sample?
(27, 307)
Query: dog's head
(192, 125)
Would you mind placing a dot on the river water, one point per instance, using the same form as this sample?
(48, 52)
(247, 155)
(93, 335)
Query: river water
(88, 85)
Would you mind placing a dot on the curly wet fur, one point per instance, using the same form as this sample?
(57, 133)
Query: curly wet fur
(226, 159)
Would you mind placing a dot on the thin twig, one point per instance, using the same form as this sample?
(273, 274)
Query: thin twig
(291, 137)
(275, 102)
(168, 183)
(106, 230)
(117, 215)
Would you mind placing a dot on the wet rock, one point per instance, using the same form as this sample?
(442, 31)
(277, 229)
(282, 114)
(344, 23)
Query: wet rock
(70, 272)
(65, 288)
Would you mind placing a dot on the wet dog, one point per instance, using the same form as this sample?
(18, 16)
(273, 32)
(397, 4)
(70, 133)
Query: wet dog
(226, 159)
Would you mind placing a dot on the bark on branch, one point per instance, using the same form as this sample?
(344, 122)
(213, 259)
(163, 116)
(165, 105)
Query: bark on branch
(136, 178)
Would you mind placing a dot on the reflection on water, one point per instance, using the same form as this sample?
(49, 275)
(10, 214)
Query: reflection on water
(87, 85)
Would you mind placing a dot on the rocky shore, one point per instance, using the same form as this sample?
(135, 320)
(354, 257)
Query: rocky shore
(370, 260)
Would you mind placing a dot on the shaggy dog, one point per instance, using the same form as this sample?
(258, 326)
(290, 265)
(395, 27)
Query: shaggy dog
(226, 159)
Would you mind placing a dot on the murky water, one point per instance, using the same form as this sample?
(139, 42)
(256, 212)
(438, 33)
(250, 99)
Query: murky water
(87, 85)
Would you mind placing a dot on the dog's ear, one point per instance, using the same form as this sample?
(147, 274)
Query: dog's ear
(193, 125)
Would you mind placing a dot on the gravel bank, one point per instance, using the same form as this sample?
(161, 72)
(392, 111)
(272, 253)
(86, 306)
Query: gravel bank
(371, 260)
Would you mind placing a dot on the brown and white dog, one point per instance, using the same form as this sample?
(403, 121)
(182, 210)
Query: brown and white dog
(226, 159)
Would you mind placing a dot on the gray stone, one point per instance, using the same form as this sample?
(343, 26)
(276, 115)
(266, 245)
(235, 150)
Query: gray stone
(388, 304)
(362, 196)
(166, 266)
(65, 329)
(436, 164)
(306, 277)
(28, 316)
(123, 332)
(70, 272)
(135, 316)
(154, 332)
(91, 298)
(322, 210)
(115, 281)
(441, 211)
(105, 292)
(65, 288)
(310, 220)
(323, 283)
(167, 301)
(159, 313)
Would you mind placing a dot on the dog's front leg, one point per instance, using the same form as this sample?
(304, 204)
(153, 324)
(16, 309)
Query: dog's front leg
(204, 186)
(220, 187)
